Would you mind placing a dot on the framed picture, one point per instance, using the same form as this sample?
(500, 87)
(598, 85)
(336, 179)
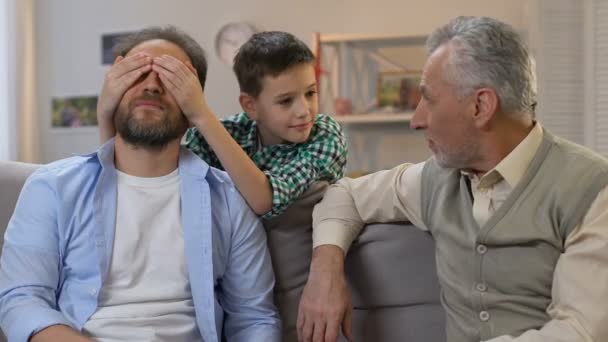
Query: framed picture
(107, 44)
(399, 90)
(74, 111)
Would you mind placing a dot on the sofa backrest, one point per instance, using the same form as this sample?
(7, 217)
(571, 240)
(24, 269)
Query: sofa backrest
(394, 286)
(390, 268)
(12, 177)
(290, 244)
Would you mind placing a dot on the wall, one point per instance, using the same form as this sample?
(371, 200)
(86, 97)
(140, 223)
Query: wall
(68, 51)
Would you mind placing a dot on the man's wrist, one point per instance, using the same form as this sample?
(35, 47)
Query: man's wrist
(328, 257)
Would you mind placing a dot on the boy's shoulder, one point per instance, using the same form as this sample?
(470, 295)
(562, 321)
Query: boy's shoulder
(240, 119)
(327, 122)
(240, 127)
(325, 125)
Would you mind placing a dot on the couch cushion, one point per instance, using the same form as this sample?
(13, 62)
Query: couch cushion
(394, 286)
(290, 244)
(12, 177)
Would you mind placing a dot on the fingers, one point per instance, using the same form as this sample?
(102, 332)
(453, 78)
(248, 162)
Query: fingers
(305, 329)
(192, 68)
(319, 331)
(332, 330)
(347, 324)
(174, 66)
(123, 66)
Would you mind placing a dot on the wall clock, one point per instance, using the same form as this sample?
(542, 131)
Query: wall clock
(230, 38)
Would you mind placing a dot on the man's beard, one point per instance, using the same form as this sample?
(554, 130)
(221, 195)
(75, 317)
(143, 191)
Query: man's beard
(155, 135)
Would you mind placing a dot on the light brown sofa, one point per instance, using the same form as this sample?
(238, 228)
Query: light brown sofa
(390, 268)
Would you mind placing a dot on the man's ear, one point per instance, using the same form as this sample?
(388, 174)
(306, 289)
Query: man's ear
(249, 105)
(486, 105)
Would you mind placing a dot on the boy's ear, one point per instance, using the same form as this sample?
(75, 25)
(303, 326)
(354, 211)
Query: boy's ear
(249, 105)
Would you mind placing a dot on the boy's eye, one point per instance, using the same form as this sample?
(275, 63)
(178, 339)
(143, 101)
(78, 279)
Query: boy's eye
(311, 93)
(286, 101)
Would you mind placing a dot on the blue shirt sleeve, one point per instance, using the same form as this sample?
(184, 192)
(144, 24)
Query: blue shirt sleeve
(247, 286)
(29, 267)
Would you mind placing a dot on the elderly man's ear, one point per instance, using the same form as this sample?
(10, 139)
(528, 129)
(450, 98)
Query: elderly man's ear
(486, 106)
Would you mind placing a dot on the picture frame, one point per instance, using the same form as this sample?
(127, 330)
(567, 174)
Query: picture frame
(399, 90)
(71, 112)
(107, 45)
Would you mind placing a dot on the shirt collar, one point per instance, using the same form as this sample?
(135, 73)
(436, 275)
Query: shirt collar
(513, 167)
(189, 163)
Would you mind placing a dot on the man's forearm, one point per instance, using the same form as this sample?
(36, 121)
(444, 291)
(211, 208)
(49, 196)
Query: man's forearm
(59, 333)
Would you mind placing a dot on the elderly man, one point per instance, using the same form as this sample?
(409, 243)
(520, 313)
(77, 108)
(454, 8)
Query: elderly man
(142, 240)
(519, 216)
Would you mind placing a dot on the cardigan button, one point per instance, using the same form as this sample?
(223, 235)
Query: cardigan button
(484, 316)
(481, 287)
(482, 249)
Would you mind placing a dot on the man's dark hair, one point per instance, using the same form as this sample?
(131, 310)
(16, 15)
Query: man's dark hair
(171, 34)
(268, 53)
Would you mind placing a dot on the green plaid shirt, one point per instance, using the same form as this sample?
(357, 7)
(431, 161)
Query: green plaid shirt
(290, 168)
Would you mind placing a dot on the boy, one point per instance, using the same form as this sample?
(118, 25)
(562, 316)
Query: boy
(279, 145)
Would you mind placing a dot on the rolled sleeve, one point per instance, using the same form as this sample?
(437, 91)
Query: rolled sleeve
(382, 197)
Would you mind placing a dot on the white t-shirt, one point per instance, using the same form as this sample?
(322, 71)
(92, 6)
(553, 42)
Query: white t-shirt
(146, 296)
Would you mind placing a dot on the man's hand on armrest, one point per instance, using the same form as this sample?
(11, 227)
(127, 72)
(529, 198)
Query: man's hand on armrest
(325, 307)
(59, 333)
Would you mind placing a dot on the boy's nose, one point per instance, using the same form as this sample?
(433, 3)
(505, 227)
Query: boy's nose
(302, 108)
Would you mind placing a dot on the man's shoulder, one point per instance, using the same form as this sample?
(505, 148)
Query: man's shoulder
(68, 168)
(577, 155)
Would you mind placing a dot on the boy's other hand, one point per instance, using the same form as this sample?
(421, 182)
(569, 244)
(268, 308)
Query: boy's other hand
(181, 80)
(122, 75)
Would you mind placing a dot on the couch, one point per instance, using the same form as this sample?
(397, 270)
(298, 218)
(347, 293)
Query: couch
(390, 269)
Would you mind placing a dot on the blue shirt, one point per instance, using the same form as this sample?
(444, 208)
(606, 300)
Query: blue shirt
(59, 241)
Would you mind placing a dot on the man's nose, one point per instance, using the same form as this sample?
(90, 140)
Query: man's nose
(152, 83)
(419, 119)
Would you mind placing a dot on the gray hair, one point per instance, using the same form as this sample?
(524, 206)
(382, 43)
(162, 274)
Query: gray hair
(488, 53)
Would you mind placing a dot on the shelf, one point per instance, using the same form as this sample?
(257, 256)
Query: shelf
(373, 118)
(373, 40)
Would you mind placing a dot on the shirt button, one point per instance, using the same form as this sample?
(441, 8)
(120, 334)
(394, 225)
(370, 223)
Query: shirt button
(484, 316)
(93, 292)
(481, 287)
(482, 249)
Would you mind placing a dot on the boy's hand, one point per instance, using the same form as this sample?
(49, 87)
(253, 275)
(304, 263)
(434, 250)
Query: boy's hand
(121, 76)
(181, 80)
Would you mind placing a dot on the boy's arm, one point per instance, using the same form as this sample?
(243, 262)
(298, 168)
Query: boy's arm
(30, 263)
(121, 76)
(181, 80)
(247, 285)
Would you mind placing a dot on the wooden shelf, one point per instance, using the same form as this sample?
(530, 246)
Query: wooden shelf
(373, 40)
(373, 118)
